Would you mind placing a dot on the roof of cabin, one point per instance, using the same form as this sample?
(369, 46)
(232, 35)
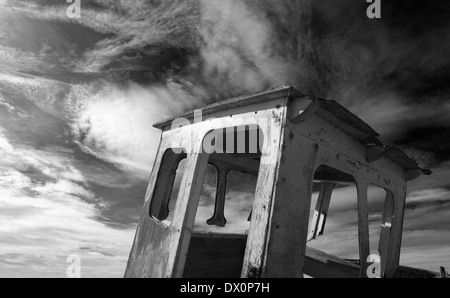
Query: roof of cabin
(241, 101)
(328, 110)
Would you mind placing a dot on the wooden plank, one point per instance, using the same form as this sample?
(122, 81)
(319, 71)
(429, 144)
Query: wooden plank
(334, 177)
(374, 153)
(267, 177)
(185, 211)
(339, 116)
(290, 211)
(385, 234)
(279, 222)
(409, 272)
(147, 265)
(218, 219)
(321, 212)
(237, 162)
(215, 256)
(443, 273)
(138, 262)
(363, 227)
(396, 231)
(303, 109)
(322, 265)
(347, 152)
(284, 91)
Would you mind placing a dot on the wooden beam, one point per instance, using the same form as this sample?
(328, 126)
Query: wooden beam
(326, 173)
(374, 153)
(185, 211)
(333, 177)
(235, 162)
(409, 272)
(443, 273)
(319, 264)
(385, 235)
(288, 229)
(218, 218)
(396, 231)
(258, 240)
(253, 101)
(321, 212)
(363, 227)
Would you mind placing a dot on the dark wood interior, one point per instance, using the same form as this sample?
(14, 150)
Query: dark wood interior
(215, 256)
(222, 255)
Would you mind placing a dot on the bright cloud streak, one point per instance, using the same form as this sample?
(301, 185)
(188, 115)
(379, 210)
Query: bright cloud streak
(184, 53)
(42, 222)
(117, 124)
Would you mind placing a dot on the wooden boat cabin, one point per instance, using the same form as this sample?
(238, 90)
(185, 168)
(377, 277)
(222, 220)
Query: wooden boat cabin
(293, 145)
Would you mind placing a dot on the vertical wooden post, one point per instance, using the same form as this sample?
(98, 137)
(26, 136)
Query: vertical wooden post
(363, 227)
(396, 231)
(321, 212)
(218, 218)
(268, 172)
(185, 211)
(443, 273)
(256, 241)
(385, 235)
(287, 229)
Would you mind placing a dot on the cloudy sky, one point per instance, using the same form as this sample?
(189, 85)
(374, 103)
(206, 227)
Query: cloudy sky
(78, 98)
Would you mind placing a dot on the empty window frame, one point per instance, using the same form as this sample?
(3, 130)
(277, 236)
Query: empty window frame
(206, 204)
(333, 226)
(381, 207)
(167, 186)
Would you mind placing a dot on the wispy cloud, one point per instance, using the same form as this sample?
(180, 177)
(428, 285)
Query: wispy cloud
(98, 84)
(116, 124)
(16, 60)
(42, 92)
(46, 217)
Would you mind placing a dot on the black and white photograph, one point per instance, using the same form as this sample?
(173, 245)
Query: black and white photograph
(231, 140)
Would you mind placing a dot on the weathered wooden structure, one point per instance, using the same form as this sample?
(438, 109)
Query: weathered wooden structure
(301, 140)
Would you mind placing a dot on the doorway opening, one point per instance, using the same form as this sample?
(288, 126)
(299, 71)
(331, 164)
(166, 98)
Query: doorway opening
(333, 247)
(219, 237)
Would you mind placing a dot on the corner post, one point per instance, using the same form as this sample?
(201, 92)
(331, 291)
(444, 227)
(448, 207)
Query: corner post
(185, 211)
(396, 231)
(363, 227)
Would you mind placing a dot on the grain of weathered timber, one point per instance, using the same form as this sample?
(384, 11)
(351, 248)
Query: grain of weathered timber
(215, 256)
(241, 164)
(283, 91)
(443, 273)
(363, 226)
(140, 262)
(322, 265)
(256, 251)
(190, 190)
(339, 116)
(321, 212)
(291, 200)
(306, 140)
(218, 218)
(393, 259)
(385, 234)
(409, 272)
